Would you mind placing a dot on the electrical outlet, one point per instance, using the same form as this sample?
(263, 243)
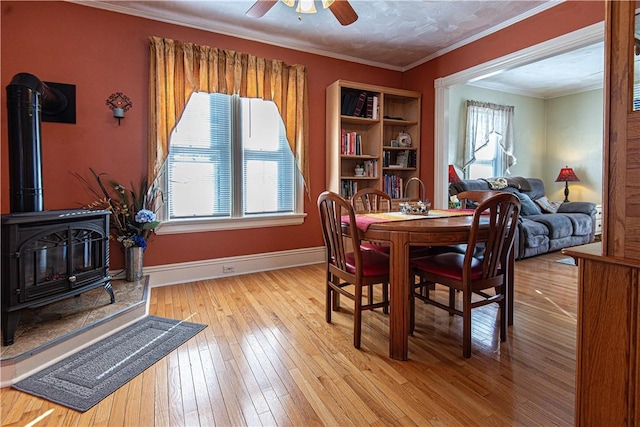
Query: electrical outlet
(228, 268)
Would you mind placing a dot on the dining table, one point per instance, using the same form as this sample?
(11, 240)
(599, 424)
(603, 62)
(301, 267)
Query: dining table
(402, 231)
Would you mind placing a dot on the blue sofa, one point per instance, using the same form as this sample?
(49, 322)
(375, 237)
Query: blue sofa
(543, 226)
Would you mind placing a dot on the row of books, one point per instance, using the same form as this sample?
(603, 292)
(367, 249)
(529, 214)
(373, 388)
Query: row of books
(348, 188)
(351, 143)
(393, 185)
(400, 159)
(360, 104)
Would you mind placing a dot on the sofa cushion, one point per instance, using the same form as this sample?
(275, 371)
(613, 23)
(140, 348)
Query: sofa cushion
(577, 207)
(547, 205)
(534, 233)
(582, 224)
(519, 183)
(528, 207)
(537, 188)
(559, 225)
(470, 184)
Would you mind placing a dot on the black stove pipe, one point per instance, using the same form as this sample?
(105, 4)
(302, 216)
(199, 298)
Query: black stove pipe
(26, 97)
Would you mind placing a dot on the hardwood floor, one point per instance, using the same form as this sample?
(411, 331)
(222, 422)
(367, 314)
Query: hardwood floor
(269, 358)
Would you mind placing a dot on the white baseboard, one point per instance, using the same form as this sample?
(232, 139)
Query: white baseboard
(171, 274)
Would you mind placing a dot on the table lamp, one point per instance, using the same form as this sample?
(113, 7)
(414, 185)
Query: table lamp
(566, 174)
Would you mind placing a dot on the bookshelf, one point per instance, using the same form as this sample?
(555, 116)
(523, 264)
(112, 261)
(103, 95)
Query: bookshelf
(370, 126)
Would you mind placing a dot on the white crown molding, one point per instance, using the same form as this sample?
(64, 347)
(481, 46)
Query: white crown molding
(531, 94)
(289, 43)
(284, 42)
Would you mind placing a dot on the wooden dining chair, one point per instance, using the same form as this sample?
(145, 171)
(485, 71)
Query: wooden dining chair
(349, 268)
(471, 199)
(468, 274)
(372, 200)
(368, 200)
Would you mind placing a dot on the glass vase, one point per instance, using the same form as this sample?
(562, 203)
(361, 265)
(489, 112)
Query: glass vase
(133, 261)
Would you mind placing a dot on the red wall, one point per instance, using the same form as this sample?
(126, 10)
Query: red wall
(103, 52)
(556, 21)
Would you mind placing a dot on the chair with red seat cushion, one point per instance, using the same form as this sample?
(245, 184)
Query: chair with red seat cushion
(356, 269)
(467, 274)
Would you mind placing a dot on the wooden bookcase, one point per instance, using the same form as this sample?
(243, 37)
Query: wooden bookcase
(370, 134)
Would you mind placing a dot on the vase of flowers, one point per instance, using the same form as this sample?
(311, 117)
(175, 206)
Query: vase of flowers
(132, 219)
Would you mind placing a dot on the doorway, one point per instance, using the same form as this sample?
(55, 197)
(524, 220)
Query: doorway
(577, 39)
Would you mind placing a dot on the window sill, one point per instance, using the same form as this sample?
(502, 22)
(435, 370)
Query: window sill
(202, 225)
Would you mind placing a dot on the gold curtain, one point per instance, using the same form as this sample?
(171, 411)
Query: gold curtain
(178, 69)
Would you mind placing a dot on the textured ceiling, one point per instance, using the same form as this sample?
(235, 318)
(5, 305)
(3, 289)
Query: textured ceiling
(575, 71)
(391, 34)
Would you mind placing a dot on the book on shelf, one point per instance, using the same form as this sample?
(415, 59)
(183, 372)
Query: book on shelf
(375, 108)
(393, 186)
(351, 143)
(370, 168)
(362, 98)
(348, 188)
(349, 101)
(359, 104)
(399, 159)
(372, 107)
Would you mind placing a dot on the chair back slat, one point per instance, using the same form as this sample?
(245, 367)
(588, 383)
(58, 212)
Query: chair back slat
(337, 239)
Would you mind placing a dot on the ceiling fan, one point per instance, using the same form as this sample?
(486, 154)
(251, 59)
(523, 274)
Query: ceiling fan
(341, 9)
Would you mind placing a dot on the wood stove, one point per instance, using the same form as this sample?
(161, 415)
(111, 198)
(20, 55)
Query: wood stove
(46, 255)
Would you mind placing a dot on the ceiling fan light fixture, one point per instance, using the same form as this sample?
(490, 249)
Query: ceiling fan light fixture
(327, 3)
(306, 6)
(289, 3)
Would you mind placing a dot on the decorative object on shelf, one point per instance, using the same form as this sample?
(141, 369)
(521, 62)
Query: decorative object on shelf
(567, 175)
(453, 175)
(359, 170)
(404, 139)
(119, 103)
(132, 220)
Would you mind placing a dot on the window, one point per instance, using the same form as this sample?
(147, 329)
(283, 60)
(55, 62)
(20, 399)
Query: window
(487, 160)
(229, 161)
(489, 142)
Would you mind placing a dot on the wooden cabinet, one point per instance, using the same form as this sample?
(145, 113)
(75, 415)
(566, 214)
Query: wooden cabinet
(374, 128)
(607, 353)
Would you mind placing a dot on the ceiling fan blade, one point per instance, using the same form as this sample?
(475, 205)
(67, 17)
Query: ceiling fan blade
(260, 7)
(343, 12)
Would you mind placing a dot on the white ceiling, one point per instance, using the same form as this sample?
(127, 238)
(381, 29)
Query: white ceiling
(391, 34)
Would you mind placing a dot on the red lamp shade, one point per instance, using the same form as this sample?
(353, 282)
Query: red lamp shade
(567, 174)
(453, 175)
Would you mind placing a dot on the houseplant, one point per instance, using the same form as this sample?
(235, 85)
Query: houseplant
(132, 219)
